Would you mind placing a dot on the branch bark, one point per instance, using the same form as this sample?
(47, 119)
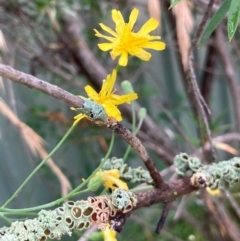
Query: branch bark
(45, 87)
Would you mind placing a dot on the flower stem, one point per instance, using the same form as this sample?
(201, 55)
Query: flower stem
(38, 167)
(133, 131)
(73, 193)
(117, 67)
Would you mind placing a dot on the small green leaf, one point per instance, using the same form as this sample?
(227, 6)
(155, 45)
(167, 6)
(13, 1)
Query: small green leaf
(174, 2)
(214, 22)
(233, 18)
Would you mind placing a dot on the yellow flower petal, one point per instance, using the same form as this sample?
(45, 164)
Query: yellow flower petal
(108, 84)
(123, 59)
(133, 17)
(107, 29)
(143, 55)
(215, 192)
(109, 234)
(111, 39)
(117, 17)
(118, 100)
(105, 46)
(112, 110)
(111, 180)
(155, 45)
(79, 117)
(92, 94)
(148, 27)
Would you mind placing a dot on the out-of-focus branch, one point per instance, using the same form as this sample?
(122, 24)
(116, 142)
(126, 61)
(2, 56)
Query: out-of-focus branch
(233, 202)
(230, 73)
(221, 216)
(207, 77)
(196, 100)
(222, 138)
(199, 101)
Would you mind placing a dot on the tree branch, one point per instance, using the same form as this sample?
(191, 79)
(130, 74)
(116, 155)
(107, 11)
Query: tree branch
(45, 87)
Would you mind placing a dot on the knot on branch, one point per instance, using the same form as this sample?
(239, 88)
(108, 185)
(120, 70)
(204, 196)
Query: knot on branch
(213, 176)
(71, 215)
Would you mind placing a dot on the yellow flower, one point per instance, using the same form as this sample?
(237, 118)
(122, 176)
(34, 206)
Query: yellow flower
(109, 234)
(216, 192)
(110, 179)
(125, 41)
(107, 98)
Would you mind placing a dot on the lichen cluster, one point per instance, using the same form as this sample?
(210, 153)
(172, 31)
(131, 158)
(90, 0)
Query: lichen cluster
(93, 110)
(127, 173)
(213, 176)
(71, 215)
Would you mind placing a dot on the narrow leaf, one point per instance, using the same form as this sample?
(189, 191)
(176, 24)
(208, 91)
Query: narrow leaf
(214, 21)
(233, 18)
(174, 2)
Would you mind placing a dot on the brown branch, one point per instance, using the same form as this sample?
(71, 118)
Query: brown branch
(208, 76)
(167, 193)
(222, 218)
(230, 73)
(45, 87)
(203, 23)
(196, 100)
(202, 108)
(138, 146)
(162, 220)
(233, 202)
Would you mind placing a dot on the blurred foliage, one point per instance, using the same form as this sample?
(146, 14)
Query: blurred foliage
(34, 33)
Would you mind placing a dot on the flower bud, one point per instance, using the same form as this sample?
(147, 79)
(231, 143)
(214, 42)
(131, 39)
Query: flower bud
(127, 87)
(142, 113)
(95, 182)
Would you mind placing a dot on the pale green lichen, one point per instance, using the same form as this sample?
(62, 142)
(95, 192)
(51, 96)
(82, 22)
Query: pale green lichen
(127, 173)
(71, 215)
(214, 175)
(123, 200)
(93, 110)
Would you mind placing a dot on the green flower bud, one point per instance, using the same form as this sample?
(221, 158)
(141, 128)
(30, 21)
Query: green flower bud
(127, 87)
(142, 113)
(95, 182)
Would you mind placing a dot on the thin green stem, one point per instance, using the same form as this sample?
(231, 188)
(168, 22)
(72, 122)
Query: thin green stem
(5, 218)
(73, 193)
(38, 167)
(139, 126)
(134, 130)
(125, 156)
(117, 67)
(99, 167)
(133, 118)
